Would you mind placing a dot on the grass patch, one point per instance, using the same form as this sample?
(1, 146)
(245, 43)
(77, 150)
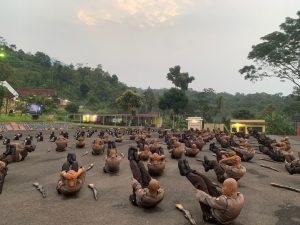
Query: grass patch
(18, 118)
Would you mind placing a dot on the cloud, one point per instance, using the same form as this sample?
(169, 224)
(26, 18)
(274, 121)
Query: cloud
(138, 12)
(83, 17)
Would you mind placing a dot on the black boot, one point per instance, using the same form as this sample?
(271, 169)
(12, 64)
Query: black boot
(220, 178)
(289, 168)
(205, 164)
(206, 161)
(183, 169)
(212, 146)
(209, 218)
(187, 166)
(132, 153)
(132, 199)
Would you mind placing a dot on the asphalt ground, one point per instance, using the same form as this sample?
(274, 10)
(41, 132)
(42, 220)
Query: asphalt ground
(21, 203)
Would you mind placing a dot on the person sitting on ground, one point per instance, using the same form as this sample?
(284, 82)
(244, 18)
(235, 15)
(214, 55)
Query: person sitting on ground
(39, 137)
(155, 147)
(14, 153)
(156, 164)
(228, 167)
(200, 143)
(241, 142)
(72, 177)
(147, 192)
(106, 137)
(71, 181)
(293, 166)
(144, 152)
(171, 142)
(3, 173)
(28, 145)
(61, 143)
(112, 162)
(71, 163)
(119, 138)
(98, 146)
(217, 207)
(177, 151)
(287, 151)
(52, 137)
(191, 152)
(80, 142)
(246, 152)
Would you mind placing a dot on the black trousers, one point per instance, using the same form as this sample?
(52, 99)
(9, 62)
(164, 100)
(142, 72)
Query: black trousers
(140, 173)
(2, 177)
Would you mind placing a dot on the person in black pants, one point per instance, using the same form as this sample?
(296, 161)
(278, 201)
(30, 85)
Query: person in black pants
(217, 207)
(147, 192)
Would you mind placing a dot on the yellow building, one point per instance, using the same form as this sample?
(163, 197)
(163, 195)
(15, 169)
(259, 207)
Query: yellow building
(245, 125)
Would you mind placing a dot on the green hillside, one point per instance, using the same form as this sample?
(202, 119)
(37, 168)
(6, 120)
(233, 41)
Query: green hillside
(97, 90)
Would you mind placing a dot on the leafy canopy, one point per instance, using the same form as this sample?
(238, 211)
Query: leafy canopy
(130, 101)
(180, 80)
(173, 99)
(278, 55)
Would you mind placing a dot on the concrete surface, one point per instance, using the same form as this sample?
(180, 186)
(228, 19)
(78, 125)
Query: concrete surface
(21, 203)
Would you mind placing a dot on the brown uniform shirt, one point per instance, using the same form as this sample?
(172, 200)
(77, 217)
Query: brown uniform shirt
(143, 196)
(224, 208)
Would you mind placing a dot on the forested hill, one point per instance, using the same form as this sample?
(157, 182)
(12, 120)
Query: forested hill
(97, 90)
(82, 84)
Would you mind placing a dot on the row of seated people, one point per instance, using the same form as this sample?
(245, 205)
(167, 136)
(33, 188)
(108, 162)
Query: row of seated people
(192, 147)
(245, 152)
(147, 191)
(227, 165)
(280, 151)
(154, 155)
(218, 207)
(16, 152)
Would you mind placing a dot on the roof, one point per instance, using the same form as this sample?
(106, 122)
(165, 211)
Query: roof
(296, 118)
(118, 115)
(252, 122)
(37, 91)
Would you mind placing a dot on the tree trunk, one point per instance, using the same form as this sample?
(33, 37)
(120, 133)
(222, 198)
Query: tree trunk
(173, 121)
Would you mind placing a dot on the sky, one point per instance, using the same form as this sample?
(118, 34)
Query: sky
(139, 40)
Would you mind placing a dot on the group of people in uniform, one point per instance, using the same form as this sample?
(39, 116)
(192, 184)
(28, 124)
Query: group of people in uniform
(218, 206)
(280, 151)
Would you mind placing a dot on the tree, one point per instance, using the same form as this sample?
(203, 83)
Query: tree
(180, 80)
(174, 100)
(42, 59)
(114, 79)
(130, 101)
(204, 104)
(6, 72)
(242, 114)
(278, 55)
(72, 108)
(149, 100)
(279, 124)
(2, 95)
(84, 89)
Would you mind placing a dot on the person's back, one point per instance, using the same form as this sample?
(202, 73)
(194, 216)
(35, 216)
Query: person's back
(112, 162)
(73, 177)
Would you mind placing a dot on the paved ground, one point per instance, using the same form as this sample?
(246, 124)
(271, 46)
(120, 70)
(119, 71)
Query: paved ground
(20, 203)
